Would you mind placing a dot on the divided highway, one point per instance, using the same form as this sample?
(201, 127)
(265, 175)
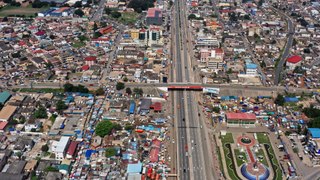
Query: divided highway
(194, 158)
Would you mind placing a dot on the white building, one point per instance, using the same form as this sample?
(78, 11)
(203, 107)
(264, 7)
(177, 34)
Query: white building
(60, 147)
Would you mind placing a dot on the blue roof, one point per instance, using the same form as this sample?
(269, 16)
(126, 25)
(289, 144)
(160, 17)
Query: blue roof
(251, 66)
(89, 152)
(291, 99)
(134, 168)
(315, 132)
(4, 96)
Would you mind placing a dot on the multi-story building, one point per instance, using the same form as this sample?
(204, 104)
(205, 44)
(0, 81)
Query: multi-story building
(60, 147)
(154, 16)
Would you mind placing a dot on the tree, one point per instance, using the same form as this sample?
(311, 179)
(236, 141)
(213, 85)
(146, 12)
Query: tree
(314, 123)
(53, 4)
(96, 35)
(41, 112)
(229, 71)
(79, 12)
(99, 91)
(192, 16)
(111, 152)
(311, 112)
(125, 79)
(117, 127)
(68, 87)
(77, 4)
(95, 27)
(39, 4)
(216, 109)
(263, 64)
(306, 50)
(104, 128)
(115, 14)
(279, 100)
(119, 86)
(60, 106)
(138, 91)
(141, 5)
(45, 148)
(5, 19)
(246, 17)
(299, 128)
(128, 127)
(107, 10)
(128, 91)
(51, 169)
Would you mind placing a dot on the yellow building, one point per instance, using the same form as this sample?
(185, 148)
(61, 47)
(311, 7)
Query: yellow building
(134, 33)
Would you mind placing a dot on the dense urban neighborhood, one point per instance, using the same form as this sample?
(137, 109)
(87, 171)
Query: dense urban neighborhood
(159, 89)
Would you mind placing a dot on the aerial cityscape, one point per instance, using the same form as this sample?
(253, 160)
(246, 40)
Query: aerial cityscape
(159, 89)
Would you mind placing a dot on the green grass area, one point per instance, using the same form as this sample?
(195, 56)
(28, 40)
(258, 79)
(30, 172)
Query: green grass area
(264, 139)
(240, 161)
(20, 11)
(129, 17)
(226, 141)
(220, 160)
(78, 44)
(41, 90)
(228, 138)
(261, 153)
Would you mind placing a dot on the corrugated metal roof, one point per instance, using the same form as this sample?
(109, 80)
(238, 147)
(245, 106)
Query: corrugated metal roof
(4, 96)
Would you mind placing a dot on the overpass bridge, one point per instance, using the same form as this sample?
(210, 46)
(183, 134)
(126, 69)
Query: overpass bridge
(232, 89)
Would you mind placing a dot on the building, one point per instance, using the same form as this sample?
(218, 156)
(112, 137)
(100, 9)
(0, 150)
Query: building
(251, 69)
(72, 149)
(145, 106)
(293, 62)
(240, 119)
(4, 97)
(134, 34)
(7, 112)
(215, 63)
(60, 147)
(154, 16)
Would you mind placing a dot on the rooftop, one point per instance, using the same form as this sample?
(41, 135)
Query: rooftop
(242, 116)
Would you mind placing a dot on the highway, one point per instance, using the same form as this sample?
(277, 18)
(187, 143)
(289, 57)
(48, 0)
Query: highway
(194, 161)
(287, 48)
(180, 128)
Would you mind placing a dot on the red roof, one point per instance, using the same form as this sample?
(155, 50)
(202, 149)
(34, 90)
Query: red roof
(242, 116)
(90, 58)
(85, 67)
(40, 33)
(294, 59)
(72, 148)
(3, 124)
(156, 106)
(194, 4)
(154, 153)
(154, 12)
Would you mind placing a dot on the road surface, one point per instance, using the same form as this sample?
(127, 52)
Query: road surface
(194, 161)
(286, 51)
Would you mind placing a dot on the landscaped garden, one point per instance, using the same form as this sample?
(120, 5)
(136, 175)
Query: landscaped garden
(264, 139)
(226, 141)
